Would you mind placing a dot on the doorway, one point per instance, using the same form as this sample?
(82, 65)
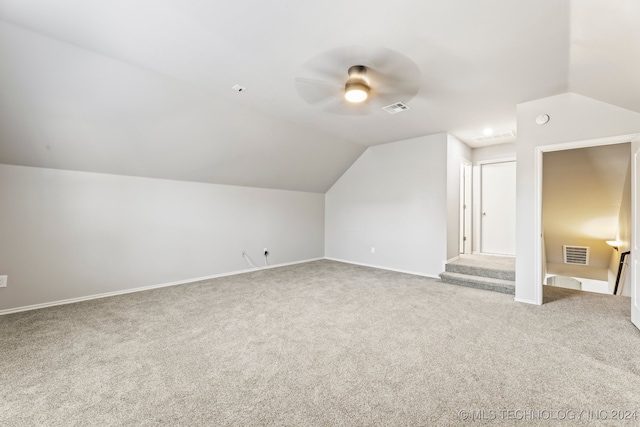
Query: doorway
(586, 201)
(497, 208)
(538, 255)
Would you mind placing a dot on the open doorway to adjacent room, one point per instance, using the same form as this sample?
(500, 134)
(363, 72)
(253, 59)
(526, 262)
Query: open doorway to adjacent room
(586, 202)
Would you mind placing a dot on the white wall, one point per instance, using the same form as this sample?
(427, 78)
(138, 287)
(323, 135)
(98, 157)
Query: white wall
(393, 198)
(573, 118)
(457, 151)
(494, 152)
(72, 234)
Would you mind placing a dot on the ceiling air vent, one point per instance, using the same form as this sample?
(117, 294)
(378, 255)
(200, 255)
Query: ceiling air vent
(576, 255)
(498, 137)
(398, 107)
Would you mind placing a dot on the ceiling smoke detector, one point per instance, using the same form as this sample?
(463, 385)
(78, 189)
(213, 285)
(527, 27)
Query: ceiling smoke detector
(542, 119)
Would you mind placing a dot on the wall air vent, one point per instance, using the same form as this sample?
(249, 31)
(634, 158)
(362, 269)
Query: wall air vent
(576, 255)
(398, 107)
(498, 137)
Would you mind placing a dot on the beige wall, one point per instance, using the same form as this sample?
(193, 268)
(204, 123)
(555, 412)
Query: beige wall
(582, 193)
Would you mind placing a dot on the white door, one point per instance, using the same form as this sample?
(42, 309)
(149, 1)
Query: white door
(498, 208)
(635, 232)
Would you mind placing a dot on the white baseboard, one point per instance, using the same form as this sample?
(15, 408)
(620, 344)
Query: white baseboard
(486, 254)
(146, 288)
(526, 301)
(383, 268)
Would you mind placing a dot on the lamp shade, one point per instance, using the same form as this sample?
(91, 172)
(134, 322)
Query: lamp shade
(614, 243)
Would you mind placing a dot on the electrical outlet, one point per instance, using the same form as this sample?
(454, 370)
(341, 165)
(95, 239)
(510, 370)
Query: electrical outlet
(3, 281)
(373, 250)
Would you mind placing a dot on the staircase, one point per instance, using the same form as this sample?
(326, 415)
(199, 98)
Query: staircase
(488, 272)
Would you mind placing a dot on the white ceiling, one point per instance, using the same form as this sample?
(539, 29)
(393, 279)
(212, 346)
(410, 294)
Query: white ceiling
(143, 87)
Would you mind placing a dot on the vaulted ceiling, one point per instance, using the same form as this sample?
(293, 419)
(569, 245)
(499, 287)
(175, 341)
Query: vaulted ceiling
(144, 87)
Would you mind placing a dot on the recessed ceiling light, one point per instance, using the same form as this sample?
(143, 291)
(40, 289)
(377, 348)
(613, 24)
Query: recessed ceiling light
(495, 138)
(488, 131)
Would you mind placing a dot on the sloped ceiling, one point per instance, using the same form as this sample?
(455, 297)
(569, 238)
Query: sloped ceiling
(143, 87)
(605, 40)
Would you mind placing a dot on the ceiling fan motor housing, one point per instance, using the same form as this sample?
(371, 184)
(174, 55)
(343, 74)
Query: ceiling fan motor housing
(357, 82)
(358, 74)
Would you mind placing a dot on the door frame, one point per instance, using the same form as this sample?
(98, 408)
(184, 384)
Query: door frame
(466, 207)
(635, 231)
(477, 200)
(537, 208)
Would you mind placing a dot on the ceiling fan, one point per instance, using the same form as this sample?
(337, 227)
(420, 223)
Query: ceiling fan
(358, 81)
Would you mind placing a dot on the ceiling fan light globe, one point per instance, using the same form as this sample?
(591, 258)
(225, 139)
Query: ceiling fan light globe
(356, 92)
(355, 95)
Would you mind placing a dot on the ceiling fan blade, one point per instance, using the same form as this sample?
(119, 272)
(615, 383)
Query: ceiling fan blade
(404, 93)
(316, 91)
(331, 65)
(355, 55)
(392, 76)
(345, 108)
(394, 86)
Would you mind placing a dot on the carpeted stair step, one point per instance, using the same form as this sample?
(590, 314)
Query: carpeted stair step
(479, 282)
(472, 269)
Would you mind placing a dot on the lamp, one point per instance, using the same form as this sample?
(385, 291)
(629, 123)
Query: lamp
(613, 243)
(357, 87)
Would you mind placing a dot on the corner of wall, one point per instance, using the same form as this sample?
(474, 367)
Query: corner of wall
(389, 208)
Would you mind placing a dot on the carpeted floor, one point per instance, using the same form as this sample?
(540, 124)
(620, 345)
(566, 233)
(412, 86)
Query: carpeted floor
(322, 344)
(493, 262)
